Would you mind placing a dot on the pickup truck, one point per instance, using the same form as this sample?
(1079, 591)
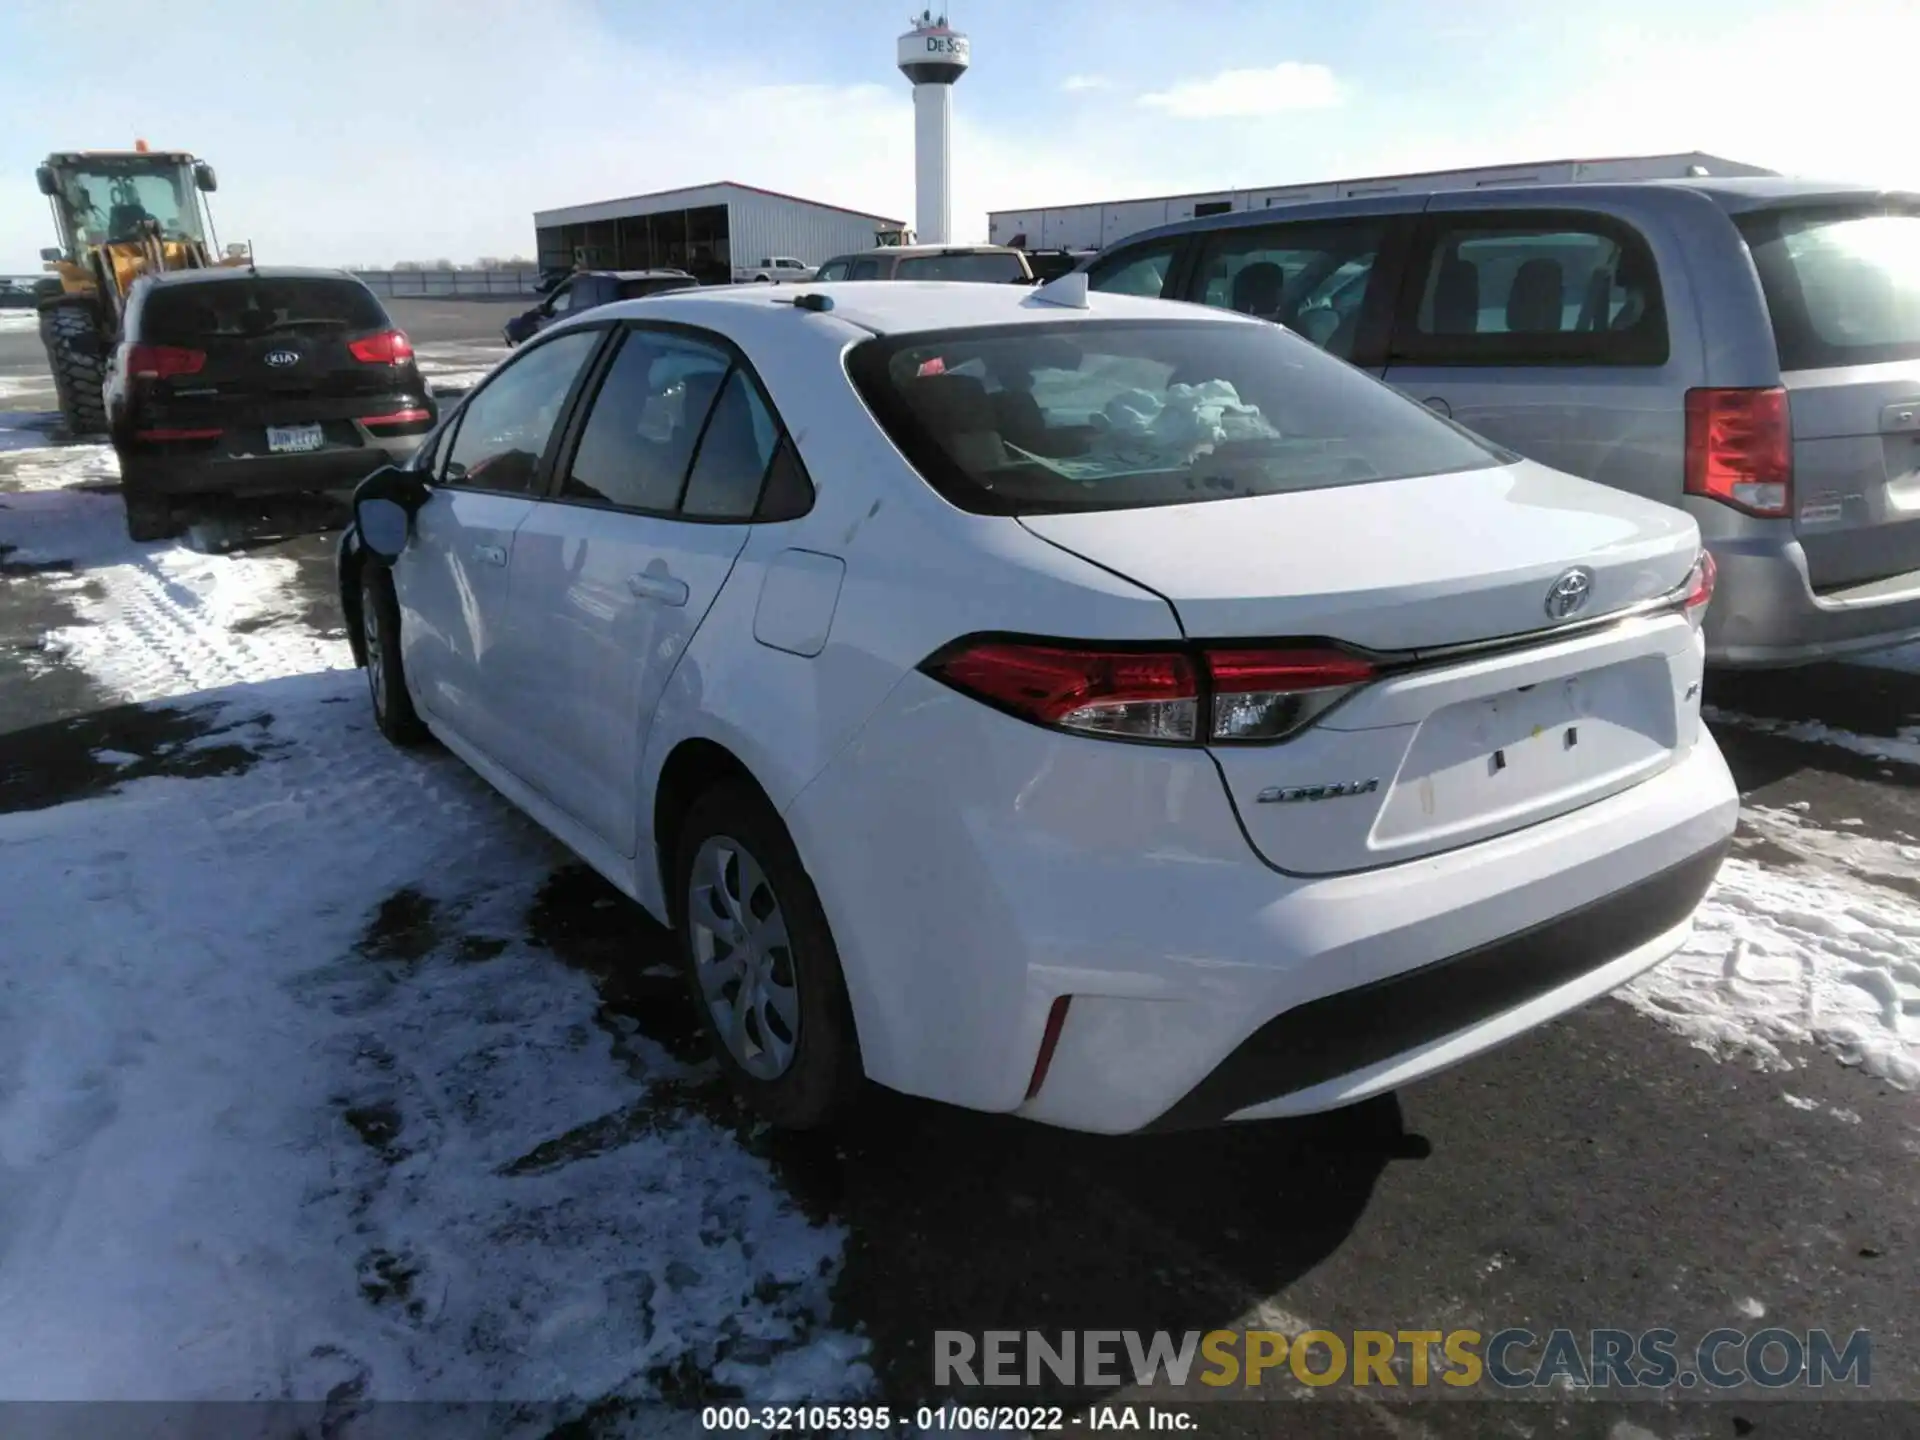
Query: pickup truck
(775, 269)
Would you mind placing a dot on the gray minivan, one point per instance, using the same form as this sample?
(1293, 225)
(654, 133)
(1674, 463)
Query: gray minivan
(1748, 349)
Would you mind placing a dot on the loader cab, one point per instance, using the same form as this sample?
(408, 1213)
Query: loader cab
(106, 197)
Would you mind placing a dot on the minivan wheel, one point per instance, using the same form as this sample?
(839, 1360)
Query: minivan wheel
(393, 708)
(761, 962)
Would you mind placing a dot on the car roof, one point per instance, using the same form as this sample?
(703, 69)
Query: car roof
(928, 250)
(640, 274)
(888, 307)
(222, 273)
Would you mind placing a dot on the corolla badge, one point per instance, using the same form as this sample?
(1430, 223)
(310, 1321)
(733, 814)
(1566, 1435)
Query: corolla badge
(281, 359)
(1290, 794)
(1569, 594)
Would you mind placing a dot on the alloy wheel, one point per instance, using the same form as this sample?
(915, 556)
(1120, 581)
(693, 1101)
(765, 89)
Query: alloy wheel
(743, 958)
(376, 656)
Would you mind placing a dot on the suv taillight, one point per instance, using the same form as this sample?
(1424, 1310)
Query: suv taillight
(389, 347)
(1740, 449)
(1175, 697)
(160, 362)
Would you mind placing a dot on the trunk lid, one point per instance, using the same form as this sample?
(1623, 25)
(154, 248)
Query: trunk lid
(1439, 751)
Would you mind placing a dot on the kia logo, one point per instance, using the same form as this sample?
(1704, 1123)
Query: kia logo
(1570, 593)
(280, 359)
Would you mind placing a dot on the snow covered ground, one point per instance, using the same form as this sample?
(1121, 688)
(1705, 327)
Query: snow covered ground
(19, 321)
(290, 1105)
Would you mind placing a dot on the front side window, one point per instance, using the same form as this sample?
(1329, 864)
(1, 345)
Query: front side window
(1141, 271)
(864, 270)
(640, 436)
(505, 426)
(1500, 291)
(561, 301)
(1102, 415)
(833, 270)
(1310, 278)
(988, 269)
(1842, 286)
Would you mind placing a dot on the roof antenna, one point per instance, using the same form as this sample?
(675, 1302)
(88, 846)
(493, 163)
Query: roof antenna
(1069, 291)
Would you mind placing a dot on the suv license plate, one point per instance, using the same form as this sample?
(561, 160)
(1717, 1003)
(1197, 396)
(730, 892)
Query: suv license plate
(294, 439)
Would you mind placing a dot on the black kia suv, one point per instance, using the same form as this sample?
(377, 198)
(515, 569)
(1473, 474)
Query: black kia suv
(243, 383)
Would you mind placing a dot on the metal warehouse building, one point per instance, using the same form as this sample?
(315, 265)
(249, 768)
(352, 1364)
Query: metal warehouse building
(705, 229)
(1089, 227)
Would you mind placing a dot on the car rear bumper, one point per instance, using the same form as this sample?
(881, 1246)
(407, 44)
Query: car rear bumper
(1765, 611)
(207, 474)
(976, 869)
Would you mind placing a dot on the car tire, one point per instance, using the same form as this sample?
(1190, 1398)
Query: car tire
(393, 708)
(70, 331)
(779, 1017)
(150, 517)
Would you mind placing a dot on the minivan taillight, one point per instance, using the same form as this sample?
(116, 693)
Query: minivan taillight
(1740, 449)
(389, 347)
(161, 362)
(1178, 697)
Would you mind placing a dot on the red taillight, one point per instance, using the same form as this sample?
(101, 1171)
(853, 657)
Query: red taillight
(1740, 449)
(398, 417)
(1049, 1041)
(178, 434)
(159, 362)
(1699, 588)
(1269, 694)
(389, 347)
(1171, 696)
(1144, 695)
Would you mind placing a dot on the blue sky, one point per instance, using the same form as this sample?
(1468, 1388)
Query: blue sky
(350, 131)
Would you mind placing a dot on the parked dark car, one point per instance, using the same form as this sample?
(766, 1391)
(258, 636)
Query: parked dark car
(250, 382)
(589, 288)
(23, 292)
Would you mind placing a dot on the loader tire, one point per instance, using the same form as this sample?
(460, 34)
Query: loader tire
(79, 364)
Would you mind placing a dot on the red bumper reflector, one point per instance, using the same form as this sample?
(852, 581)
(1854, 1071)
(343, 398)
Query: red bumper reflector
(1056, 1019)
(178, 434)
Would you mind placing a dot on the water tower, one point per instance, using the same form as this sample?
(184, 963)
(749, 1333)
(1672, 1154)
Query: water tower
(933, 56)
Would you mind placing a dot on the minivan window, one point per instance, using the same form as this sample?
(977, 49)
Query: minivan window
(1500, 290)
(987, 269)
(211, 309)
(1311, 278)
(1842, 286)
(1134, 272)
(1102, 415)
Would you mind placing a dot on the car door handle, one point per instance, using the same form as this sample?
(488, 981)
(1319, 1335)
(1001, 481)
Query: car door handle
(490, 554)
(664, 588)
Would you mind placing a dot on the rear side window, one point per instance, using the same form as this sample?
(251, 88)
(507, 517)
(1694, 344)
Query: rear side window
(1310, 278)
(646, 420)
(1533, 290)
(735, 451)
(1141, 271)
(1107, 415)
(986, 269)
(1842, 286)
(214, 309)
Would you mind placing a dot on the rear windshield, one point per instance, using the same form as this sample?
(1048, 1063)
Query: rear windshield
(1843, 286)
(212, 309)
(1115, 415)
(990, 268)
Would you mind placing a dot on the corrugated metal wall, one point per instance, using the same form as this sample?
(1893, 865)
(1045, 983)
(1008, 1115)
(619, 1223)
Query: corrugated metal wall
(763, 226)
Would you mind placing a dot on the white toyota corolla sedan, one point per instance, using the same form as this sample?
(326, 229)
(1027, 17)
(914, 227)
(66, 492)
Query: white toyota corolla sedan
(1114, 712)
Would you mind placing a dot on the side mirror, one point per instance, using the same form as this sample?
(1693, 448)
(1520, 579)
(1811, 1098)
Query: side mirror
(204, 177)
(52, 254)
(237, 250)
(383, 508)
(48, 182)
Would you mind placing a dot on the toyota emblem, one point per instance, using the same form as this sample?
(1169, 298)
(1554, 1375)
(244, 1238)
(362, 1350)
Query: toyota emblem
(1569, 594)
(280, 359)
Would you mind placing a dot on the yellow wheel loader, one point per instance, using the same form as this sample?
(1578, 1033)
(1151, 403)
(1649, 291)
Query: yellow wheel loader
(119, 214)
